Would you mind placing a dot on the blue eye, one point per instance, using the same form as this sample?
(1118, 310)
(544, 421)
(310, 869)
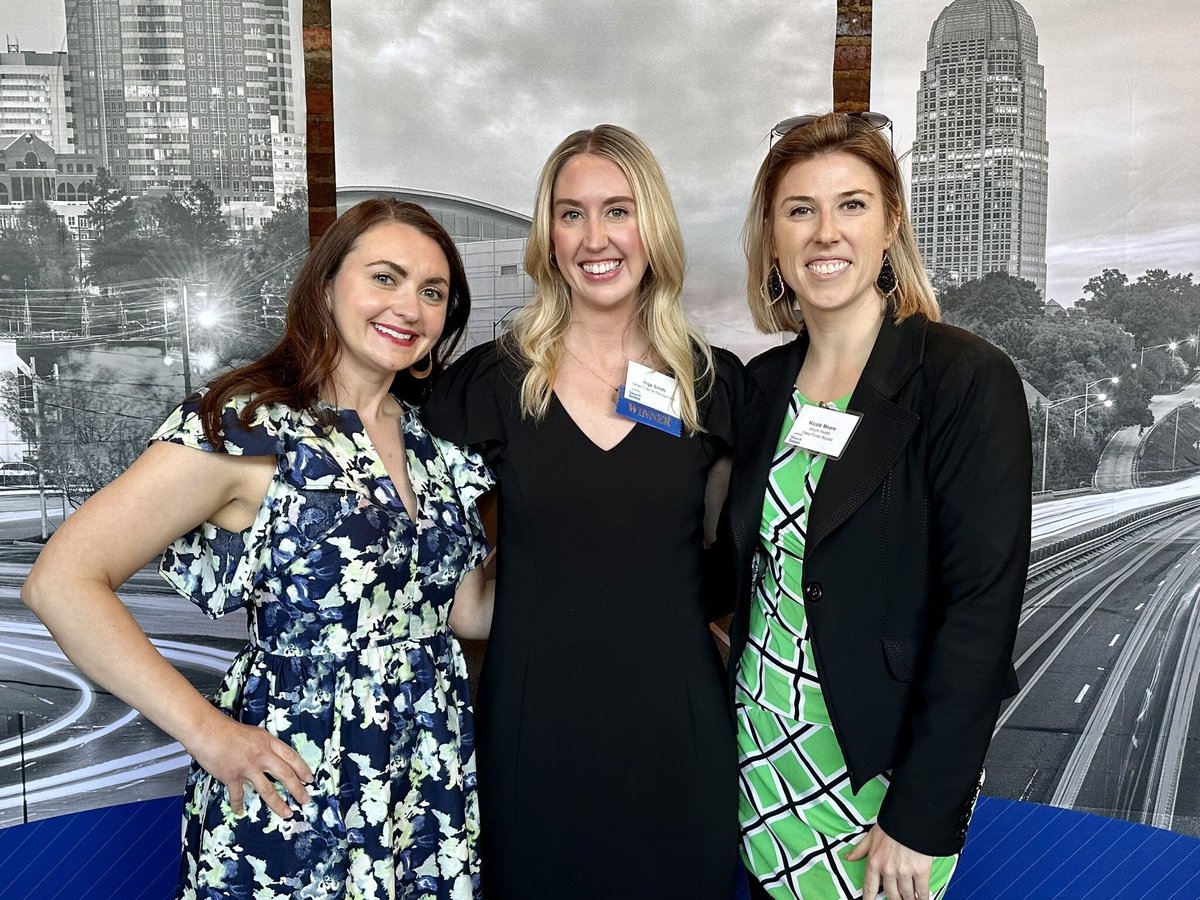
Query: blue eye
(383, 278)
(618, 212)
(571, 215)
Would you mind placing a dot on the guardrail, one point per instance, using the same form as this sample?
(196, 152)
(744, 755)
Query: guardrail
(1045, 559)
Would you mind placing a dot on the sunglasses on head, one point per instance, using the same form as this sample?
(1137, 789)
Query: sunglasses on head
(875, 120)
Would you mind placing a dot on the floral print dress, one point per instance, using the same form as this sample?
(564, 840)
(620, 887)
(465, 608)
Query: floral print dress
(350, 661)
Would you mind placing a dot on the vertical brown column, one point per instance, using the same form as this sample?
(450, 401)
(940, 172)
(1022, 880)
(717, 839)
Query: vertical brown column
(852, 57)
(318, 96)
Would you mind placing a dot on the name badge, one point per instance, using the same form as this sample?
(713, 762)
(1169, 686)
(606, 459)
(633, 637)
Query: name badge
(651, 398)
(819, 429)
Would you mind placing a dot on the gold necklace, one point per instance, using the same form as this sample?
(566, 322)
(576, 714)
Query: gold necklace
(615, 389)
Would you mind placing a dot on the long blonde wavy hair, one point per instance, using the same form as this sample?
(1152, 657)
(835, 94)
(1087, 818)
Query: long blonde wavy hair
(831, 133)
(536, 338)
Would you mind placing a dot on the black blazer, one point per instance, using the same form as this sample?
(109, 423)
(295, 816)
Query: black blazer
(915, 562)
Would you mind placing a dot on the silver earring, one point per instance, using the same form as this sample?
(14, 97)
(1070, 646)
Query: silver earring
(772, 289)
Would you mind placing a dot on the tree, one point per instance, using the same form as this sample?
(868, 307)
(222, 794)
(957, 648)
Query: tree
(1157, 308)
(53, 245)
(192, 220)
(111, 212)
(274, 254)
(96, 415)
(982, 304)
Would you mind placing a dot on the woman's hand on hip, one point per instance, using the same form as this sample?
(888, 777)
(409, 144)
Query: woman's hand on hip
(899, 872)
(237, 754)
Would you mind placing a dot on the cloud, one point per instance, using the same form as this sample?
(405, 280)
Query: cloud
(468, 97)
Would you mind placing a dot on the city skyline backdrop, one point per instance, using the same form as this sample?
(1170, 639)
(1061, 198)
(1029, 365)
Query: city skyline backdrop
(506, 83)
(467, 83)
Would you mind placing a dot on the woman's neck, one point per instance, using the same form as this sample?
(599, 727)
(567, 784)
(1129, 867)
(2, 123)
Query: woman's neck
(839, 347)
(605, 335)
(371, 399)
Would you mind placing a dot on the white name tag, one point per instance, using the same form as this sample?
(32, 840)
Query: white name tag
(651, 398)
(819, 429)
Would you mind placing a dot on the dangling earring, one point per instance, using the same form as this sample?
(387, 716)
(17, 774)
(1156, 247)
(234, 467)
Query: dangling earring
(422, 373)
(772, 289)
(553, 261)
(886, 280)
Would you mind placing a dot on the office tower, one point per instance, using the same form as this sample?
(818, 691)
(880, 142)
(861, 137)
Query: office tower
(33, 98)
(979, 161)
(169, 92)
(289, 165)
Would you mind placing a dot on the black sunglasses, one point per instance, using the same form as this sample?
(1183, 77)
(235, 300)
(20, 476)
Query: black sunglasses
(876, 120)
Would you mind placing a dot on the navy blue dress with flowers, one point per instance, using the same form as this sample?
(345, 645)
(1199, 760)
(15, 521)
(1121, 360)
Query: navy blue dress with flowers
(350, 661)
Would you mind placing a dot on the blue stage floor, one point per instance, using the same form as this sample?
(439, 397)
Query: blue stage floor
(1015, 851)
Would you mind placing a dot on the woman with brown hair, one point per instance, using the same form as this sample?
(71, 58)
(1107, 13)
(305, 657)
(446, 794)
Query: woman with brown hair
(880, 507)
(337, 756)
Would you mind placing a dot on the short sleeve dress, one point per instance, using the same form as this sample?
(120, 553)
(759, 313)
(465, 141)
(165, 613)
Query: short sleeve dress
(350, 661)
(606, 758)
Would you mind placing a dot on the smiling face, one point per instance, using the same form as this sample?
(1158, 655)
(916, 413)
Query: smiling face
(829, 229)
(595, 235)
(389, 301)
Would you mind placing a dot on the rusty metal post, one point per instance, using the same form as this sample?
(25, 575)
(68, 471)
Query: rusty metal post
(852, 56)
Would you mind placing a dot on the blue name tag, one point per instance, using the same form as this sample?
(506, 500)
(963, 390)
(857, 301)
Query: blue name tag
(643, 414)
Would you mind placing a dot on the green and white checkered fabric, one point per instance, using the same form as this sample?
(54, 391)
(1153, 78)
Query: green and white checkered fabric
(798, 815)
(776, 670)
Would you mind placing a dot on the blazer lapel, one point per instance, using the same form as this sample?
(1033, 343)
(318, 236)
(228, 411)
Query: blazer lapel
(882, 434)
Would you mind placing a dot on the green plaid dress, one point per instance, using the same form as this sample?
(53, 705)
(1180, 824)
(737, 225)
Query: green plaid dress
(799, 817)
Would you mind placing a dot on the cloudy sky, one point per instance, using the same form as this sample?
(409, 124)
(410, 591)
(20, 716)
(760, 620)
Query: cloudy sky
(469, 96)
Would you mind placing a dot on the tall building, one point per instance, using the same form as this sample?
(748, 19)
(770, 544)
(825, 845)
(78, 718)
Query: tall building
(33, 98)
(979, 161)
(169, 92)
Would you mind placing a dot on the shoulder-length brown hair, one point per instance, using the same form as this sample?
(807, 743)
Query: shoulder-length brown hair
(301, 365)
(831, 133)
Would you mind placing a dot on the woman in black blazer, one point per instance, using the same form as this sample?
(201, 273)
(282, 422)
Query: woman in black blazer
(880, 513)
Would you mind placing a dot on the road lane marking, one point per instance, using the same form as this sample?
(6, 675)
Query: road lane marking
(1116, 637)
(1082, 692)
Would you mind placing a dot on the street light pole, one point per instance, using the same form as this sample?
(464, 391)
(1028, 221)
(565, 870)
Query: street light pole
(186, 339)
(1050, 404)
(1075, 422)
(1115, 379)
(1175, 442)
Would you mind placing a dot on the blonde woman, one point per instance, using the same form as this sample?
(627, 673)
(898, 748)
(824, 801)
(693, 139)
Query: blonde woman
(606, 750)
(880, 503)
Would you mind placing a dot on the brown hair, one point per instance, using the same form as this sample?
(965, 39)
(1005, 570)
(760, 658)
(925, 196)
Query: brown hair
(297, 368)
(831, 133)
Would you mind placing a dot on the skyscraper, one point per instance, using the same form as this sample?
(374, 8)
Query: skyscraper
(979, 161)
(169, 92)
(33, 97)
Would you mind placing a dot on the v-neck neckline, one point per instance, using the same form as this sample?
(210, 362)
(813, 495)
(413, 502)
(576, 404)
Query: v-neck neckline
(587, 437)
(379, 471)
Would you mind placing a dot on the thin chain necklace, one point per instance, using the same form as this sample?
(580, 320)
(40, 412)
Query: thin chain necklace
(615, 389)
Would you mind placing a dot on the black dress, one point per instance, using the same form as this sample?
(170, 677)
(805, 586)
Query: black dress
(605, 747)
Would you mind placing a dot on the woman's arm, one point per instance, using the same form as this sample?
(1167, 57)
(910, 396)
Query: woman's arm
(471, 612)
(168, 491)
(715, 492)
(979, 471)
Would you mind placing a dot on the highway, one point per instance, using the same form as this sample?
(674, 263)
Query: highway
(1116, 470)
(1108, 656)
